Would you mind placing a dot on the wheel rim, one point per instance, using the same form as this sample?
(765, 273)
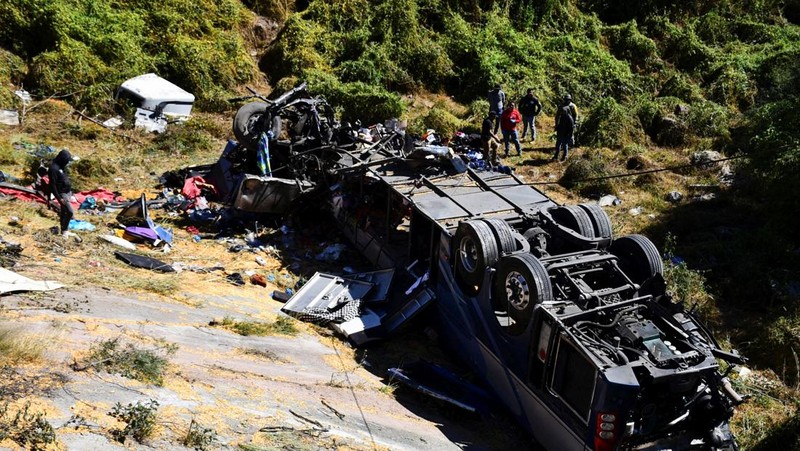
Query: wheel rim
(252, 123)
(468, 252)
(518, 292)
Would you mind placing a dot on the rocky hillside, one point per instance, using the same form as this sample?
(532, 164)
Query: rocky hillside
(656, 82)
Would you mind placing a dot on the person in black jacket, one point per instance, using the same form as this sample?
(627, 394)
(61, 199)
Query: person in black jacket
(489, 141)
(529, 107)
(61, 188)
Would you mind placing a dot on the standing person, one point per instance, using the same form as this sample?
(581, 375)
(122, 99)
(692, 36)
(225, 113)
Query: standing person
(529, 107)
(61, 188)
(566, 118)
(489, 141)
(497, 98)
(508, 123)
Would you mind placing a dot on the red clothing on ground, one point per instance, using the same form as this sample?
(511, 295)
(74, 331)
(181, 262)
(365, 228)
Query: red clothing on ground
(509, 119)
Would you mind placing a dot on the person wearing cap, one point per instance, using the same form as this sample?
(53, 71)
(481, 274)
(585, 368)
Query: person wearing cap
(569, 105)
(496, 98)
(489, 141)
(508, 123)
(61, 188)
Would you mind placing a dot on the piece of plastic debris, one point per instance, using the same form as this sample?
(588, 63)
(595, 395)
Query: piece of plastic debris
(196, 238)
(332, 252)
(609, 201)
(115, 240)
(113, 122)
(271, 277)
(674, 196)
(260, 260)
(635, 211)
(57, 260)
(348, 269)
(77, 224)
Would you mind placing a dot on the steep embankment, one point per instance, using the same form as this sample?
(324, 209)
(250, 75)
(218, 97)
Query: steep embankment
(656, 81)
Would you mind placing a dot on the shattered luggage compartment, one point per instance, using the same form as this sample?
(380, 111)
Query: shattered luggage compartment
(268, 194)
(327, 298)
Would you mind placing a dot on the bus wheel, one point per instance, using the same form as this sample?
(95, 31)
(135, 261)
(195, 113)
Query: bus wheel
(600, 221)
(638, 257)
(520, 283)
(504, 235)
(476, 250)
(249, 123)
(574, 218)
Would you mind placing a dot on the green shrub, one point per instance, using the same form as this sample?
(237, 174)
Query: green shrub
(707, 119)
(681, 46)
(439, 119)
(371, 104)
(732, 87)
(141, 364)
(188, 138)
(279, 10)
(680, 86)
(281, 326)
(86, 49)
(139, 419)
(198, 437)
(779, 76)
(31, 430)
(582, 176)
(627, 43)
(609, 125)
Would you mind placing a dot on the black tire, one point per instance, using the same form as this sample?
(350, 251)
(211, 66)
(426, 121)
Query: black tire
(600, 221)
(521, 282)
(504, 235)
(638, 257)
(574, 218)
(476, 250)
(249, 123)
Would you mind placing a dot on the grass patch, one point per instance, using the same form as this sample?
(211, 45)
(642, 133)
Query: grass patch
(139, 419)
(25, 428)
(281, 326)
(199, 437)
(19, 347)
(144, 365)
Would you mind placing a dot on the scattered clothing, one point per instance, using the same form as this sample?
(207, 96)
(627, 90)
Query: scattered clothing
(141, 261)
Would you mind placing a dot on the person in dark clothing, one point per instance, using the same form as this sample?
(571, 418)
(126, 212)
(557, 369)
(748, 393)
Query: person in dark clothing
(497, 100)
(566, 120)
(61, 188)
(529, 107)
(489, 141)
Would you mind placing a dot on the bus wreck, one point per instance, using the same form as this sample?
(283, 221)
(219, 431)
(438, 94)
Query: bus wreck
(572, 328)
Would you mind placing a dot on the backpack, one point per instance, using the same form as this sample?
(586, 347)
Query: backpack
(565, 121)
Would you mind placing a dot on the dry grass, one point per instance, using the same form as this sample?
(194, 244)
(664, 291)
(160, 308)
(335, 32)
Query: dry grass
(17, 346)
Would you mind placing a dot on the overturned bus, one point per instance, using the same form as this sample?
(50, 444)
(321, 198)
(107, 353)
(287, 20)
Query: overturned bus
(571, 327)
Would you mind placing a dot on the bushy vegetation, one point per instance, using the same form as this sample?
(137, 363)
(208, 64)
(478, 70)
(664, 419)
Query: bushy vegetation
(139, 419)
(85, 49)
(650, 77)
(282, 326)
(28, 429)
(144, 365)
